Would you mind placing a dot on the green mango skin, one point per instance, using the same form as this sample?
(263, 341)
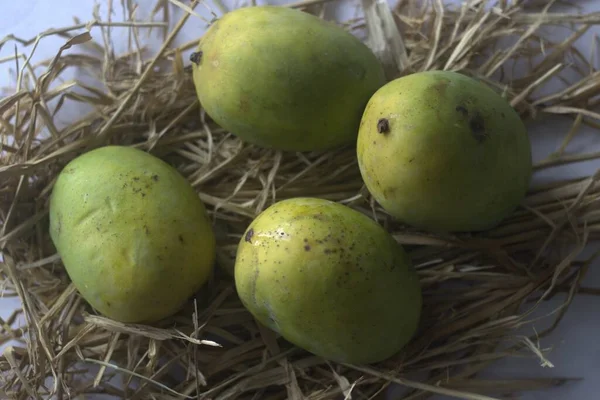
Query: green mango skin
(132, 233)
(443, 152)
(329, 280)
(283, 79)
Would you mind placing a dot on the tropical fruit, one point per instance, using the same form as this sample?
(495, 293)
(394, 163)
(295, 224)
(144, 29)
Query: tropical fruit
(328, 279)
(444, 152)
(284, 79)
(132, 233)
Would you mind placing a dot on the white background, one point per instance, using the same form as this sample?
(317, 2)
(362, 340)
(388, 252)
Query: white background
(576, 347)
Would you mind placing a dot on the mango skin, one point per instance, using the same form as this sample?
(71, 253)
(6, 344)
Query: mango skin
(329, 280)
(283, 79)
(443, 152)
(133, 235)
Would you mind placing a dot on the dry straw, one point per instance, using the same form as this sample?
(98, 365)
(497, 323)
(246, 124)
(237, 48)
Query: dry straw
(479, 289)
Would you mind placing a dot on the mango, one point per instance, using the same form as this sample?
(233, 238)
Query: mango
(329, 280)
(133, 235)
(444, 152)
(284, 79)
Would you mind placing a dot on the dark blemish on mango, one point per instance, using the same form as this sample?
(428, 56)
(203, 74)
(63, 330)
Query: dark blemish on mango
(307, 247)
(155, 178)
(503, 115)
(108, 303)
(462, 110)
(58, 223)
(477, 126)
(390, 192)
(196, 57)
(180, 237)
(383, 125)
(441, 86)
(249, 235)
(136, 178)
(244, 104)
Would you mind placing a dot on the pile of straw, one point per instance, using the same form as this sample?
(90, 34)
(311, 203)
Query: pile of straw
(479, 288)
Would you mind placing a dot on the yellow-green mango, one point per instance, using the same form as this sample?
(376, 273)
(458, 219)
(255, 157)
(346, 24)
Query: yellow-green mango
(132, 233)
(284, 79)
(328, 279)
(444, 152)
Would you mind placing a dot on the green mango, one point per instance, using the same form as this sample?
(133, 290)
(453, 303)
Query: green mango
(328, 279)
(132, 233)
(444, 152)
(284, 79)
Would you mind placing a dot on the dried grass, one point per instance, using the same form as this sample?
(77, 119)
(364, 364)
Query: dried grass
(479, 289)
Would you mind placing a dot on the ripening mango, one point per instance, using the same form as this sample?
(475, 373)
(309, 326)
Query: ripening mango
(444, 152)
(284, 79)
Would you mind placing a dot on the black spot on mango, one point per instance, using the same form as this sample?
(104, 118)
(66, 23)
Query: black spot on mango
(248, 236)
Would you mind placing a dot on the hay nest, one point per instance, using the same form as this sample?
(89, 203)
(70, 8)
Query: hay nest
(479, 288)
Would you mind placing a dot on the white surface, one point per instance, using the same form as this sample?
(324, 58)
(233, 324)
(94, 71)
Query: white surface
(577, 349)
